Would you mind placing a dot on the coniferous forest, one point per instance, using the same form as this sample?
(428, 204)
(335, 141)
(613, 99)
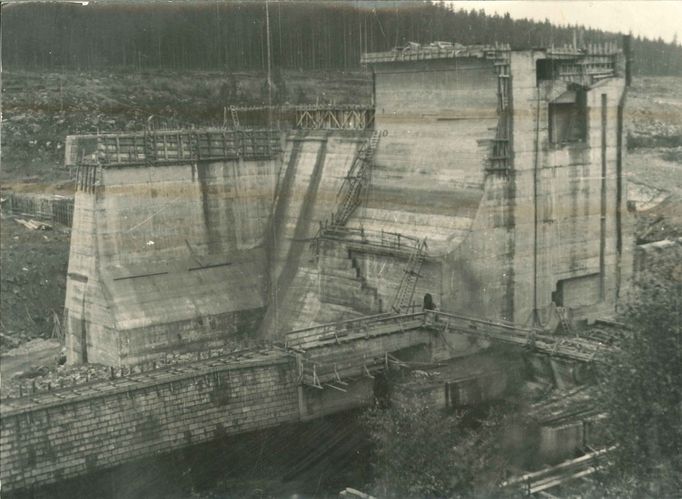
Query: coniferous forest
(231, 36)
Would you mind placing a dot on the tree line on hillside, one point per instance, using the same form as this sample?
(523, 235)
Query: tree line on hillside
(303, 35)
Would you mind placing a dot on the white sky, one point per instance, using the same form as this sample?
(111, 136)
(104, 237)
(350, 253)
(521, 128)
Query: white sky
(651, 18)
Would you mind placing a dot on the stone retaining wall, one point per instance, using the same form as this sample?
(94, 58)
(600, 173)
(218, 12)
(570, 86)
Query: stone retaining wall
(65, 433)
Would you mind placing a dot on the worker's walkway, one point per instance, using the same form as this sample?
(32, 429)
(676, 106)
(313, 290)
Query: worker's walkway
(331, 352)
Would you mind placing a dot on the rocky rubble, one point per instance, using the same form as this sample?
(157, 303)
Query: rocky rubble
(653, 113)
(57, 375)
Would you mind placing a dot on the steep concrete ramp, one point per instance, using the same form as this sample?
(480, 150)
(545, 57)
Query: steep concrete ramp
(318, 163)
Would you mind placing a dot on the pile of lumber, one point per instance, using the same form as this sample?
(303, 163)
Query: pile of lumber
(34, 224)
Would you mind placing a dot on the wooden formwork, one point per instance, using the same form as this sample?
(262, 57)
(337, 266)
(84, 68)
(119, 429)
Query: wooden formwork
(340, 118)
(56, 208)
(160, 147)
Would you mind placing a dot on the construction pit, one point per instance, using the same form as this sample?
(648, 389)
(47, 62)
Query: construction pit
(231, 280)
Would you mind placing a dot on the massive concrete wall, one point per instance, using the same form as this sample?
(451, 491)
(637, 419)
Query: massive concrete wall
(437, 119)
(167, 257)
(429, 180)
(568, 218)
(550, 232)
(478, 276)
(154, 246)
(184, 256)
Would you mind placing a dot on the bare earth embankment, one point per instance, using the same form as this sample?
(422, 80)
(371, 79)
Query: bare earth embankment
(653, 163)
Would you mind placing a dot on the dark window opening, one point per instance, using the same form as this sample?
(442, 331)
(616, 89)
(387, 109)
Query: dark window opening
(428, 302)
(568, 118)
(558, 296)
(544, 70)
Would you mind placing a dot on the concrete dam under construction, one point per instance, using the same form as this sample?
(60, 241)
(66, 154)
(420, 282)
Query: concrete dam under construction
(478, 201)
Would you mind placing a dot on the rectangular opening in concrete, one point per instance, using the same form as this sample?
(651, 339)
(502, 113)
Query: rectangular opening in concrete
(577, 292)
(568, 118)
(544, 70)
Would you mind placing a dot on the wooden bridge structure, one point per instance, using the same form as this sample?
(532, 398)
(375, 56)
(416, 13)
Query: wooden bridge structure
(306, 117)
(329, 353)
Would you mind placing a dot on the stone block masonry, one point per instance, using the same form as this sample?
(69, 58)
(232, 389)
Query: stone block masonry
(65, 433)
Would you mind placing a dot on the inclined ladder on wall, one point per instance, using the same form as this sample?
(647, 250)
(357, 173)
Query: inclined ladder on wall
(351, 189)
(235, 117)
(500, 160)
(356, 181)
(562, 313)
(350, 193)
(405, 293)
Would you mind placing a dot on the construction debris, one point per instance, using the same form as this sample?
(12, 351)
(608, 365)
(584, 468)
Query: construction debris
(350, 492)
(539, 481)
(33, 224)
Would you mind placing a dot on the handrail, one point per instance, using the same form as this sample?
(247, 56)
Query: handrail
(408, 283)
(342, 328)
(489, 322)
(432, 52)
(338, 323)
(373, 237)
(329, 106)
(311, 345)
(301, 341)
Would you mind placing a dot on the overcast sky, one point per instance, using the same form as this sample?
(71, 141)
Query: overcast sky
(651, 18)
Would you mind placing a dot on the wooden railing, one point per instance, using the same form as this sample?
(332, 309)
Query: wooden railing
(377, 238)
(427, 52)
(329, 116)
(581, 349)
(303, 339)
(309, 343)
(168, 146)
